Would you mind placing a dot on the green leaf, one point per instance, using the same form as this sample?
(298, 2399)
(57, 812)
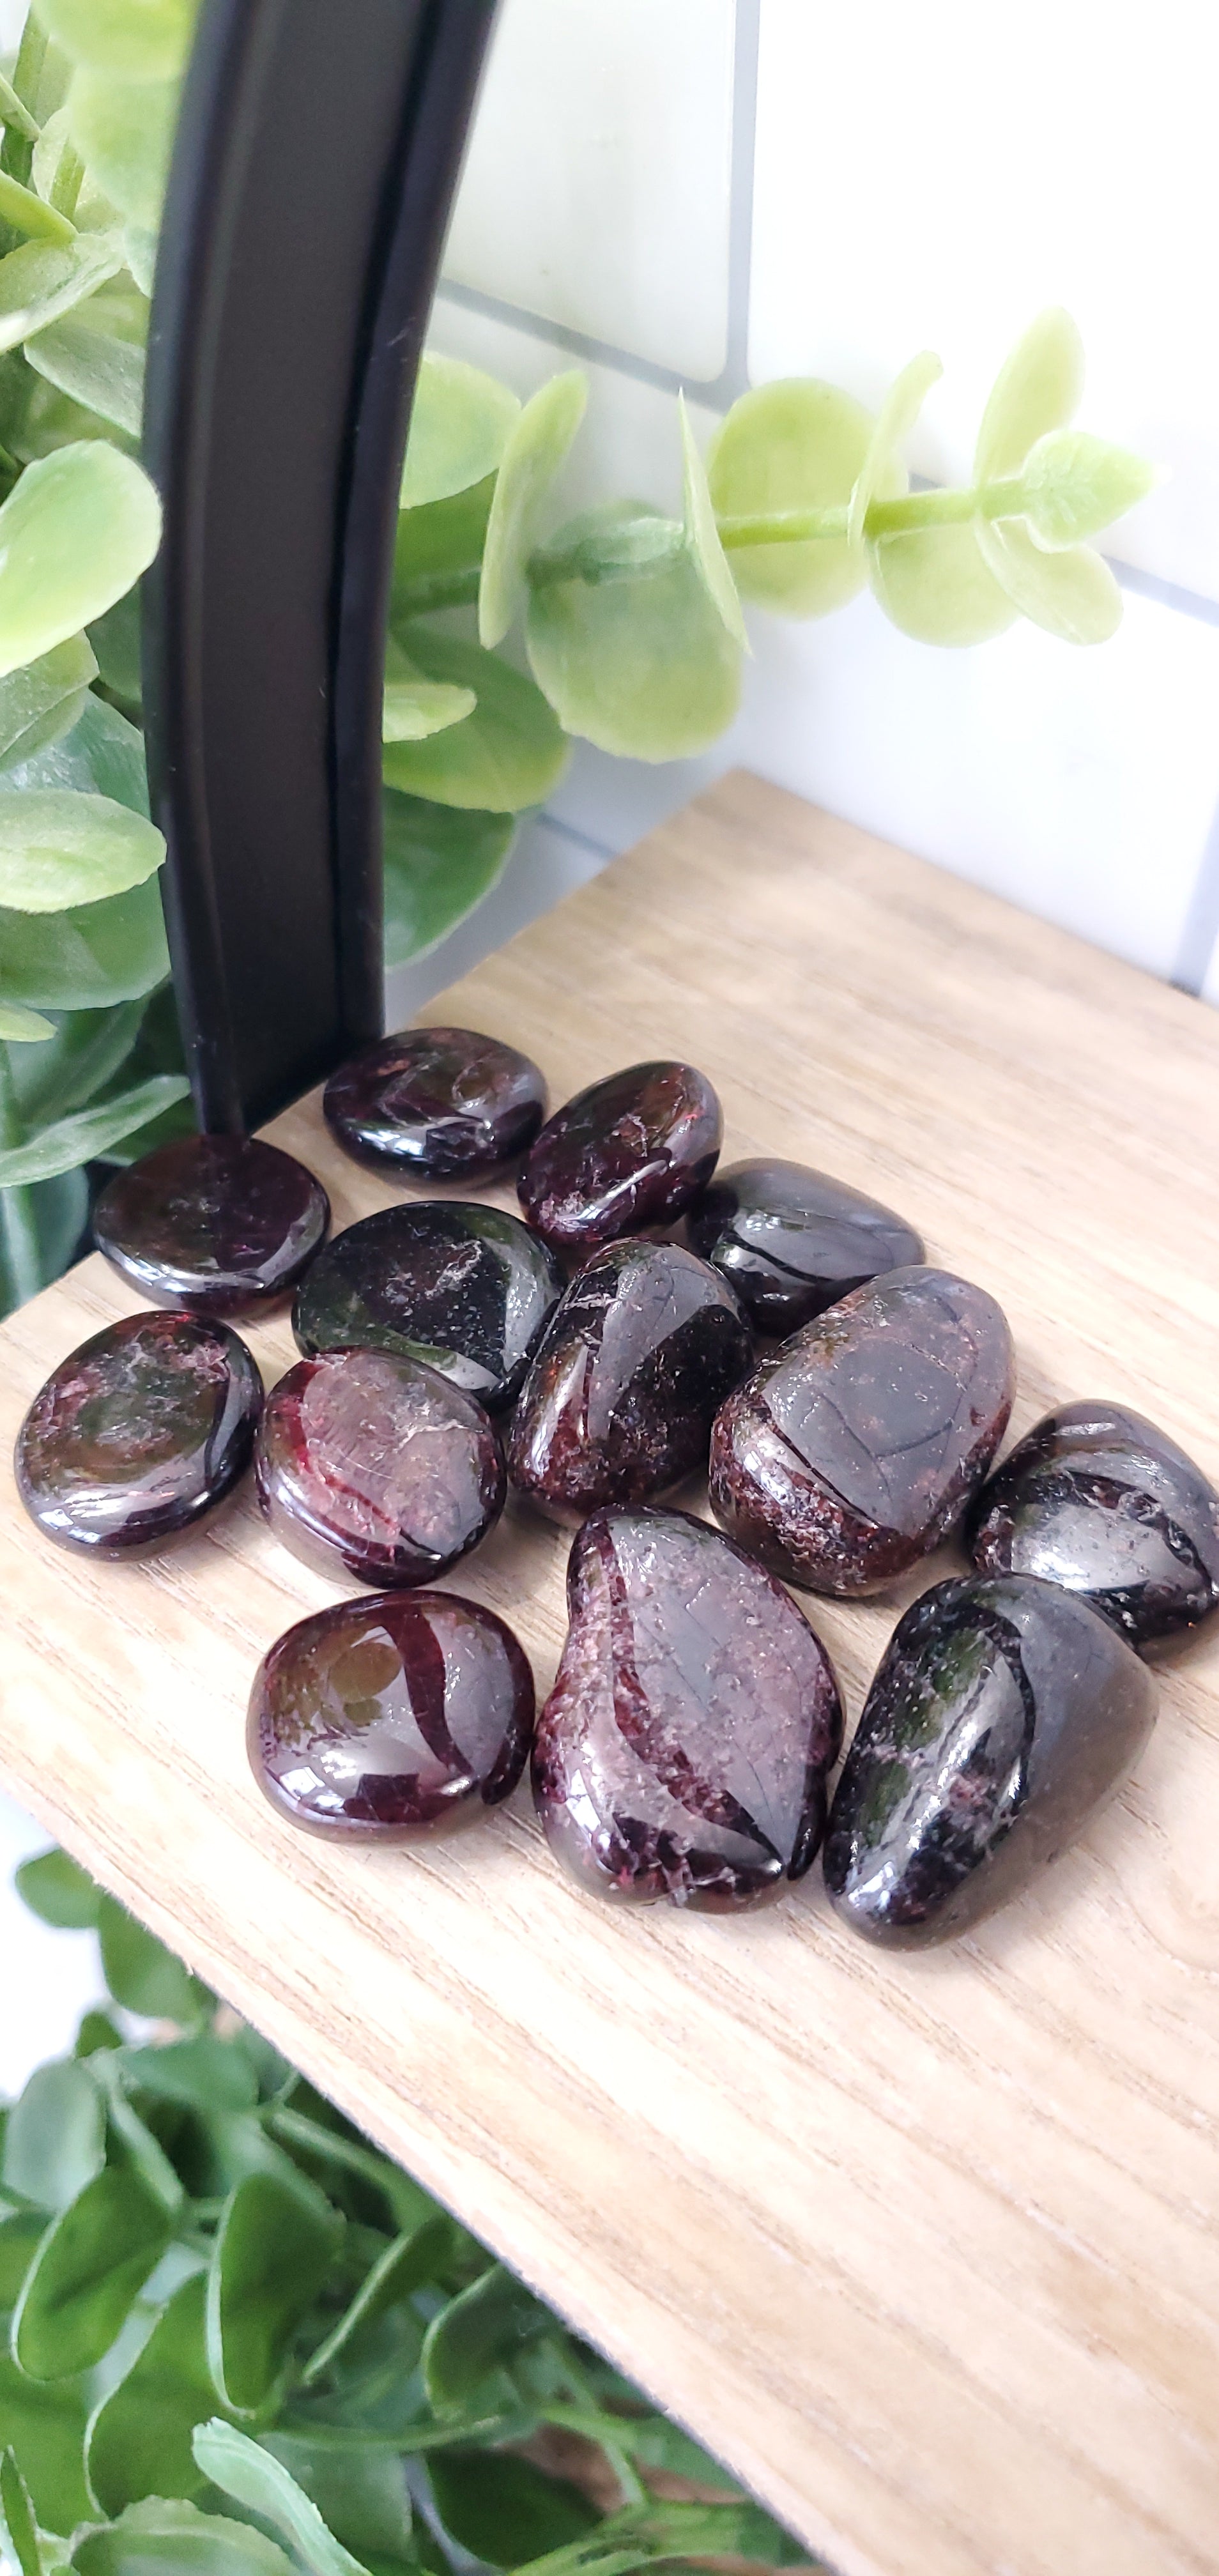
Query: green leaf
(80, 1139)
(59, 1209)
(14, 115)
(138, 40)
(59, 1891)
(39, 282)
(17, 2517)
(314, 2140)
(438, 552)
(481, 2329)
(460, 425)
(258, 2481)
(505, 2510)
(116, 640)
(274, 2247)
(20, 2237)
(1038, 389)
(416, 708)
(87, 2274)
(1072, 594)
(703, 536)
(78, 530)
(59, 849)
(404, 2266)
(96, 354)
(935, 584)
(140, 251)
(124, 131)
(534, 453)
(139, 1971)
(139, 2439)
(90, 957)
(795, 445)
(507, 754)
(439, 864)
(45, 2429)
(206, 2072)
(628, 646)
(131, 2143)
(30, 215)
(883, 473)
(87, 1050)
(43, 699)
(55, 2139)
(22, 1027)
(103, 755)
(361, 2495)
(163, 2538)
(97, 2031)
(1074, 485)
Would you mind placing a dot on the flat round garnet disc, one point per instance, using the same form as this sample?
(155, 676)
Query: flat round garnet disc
(219, 1224)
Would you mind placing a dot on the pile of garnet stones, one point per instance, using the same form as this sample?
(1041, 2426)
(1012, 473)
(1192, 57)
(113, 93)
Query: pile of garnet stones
(643, 1322)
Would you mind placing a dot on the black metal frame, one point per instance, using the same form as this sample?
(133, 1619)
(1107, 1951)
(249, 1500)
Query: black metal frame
(316, 162)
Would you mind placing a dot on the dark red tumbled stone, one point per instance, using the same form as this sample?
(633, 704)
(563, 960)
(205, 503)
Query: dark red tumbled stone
(466, 1288)
(139, 1433)
(371, 1461)
(792, 1241)
(219, 1224)
(684, 1748)
(854, 1449)
(619, 1402)
(629, 1152)
(389, 1719)
(446, 1103)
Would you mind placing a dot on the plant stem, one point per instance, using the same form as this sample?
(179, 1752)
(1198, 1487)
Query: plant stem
(433, 590)
(951, 509)
(18, 1225)
(69, 178)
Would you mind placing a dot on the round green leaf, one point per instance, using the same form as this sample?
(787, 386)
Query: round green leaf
(439, 864)
(883, 473)
(484, 2327)
(255, 2479)
(81, 1139)
(934, 584)
(39, 282)
(55, 2139)
(534, 452)
(58, 849)
(20, 2237)
(124, 131)
(88, 1049)
(703, 536)
(96, 2031)
(507, 754)
(137, 40)
(21, 1027)
(88, 958)
(78, 530)
(796, 445)
(139, 2439)
(163, 2538)
(461, 422)
(438, 553)
(404, 2266)
(1074, 485)
(274, 2247)
(59, 1891)
(45, 2427)
(42, 700)
(1038, 389)
(103, 755)
(1072, 594)
(116, 639)
(504, 2510)
(87, 2274)
(139, 1971)
(639, 661)
(415, 709)
(361, 2495)
(96, 354)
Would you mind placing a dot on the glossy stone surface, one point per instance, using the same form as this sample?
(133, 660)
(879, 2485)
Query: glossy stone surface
(468, 1289)
(139, 1433)
(683, 1750)
(629, 1152)
(1003, 1716)
(792, 1241)
(391, 1719)
(222, 1225)
(444, 1103)
(1097, 1499)
(371, 1462)
(635, 1360)
(855, 1449)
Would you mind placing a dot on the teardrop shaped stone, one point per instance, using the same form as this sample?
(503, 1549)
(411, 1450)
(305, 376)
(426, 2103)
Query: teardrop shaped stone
(635, 1360)
(1096, 1498)
(792, 1241)
(1003, 1716)
(684, 1748)
(144, 1429)
(222, 1225)
(467, 1289)
(628, 1152)
(445, 1103)
(371, 1462)
(391, 1719)
(855, 1449)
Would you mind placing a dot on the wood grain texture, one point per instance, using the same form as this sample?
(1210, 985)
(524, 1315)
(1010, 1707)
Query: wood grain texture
(925, 2248)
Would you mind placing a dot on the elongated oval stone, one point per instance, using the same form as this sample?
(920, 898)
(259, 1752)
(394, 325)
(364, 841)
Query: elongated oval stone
(635, 1360)
(445, 1103)
(391, 1719)
(222, 1225)
(684, 1748)
(372, 1462)
(465, 1288)
(139, 1433)
(629, 1152)
(1098, 1499)
(853, 1450)
(792, 1242)
(1003, 1716)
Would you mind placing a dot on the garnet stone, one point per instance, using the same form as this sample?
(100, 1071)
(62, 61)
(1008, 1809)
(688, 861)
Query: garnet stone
(792, 1241)
(683, 1750)
(853, 1450)
(139, 1433)
(1004, 1714)
(388, 1719)
(220, 1224)
(371, 1461)
(620, 1399)
(468, 1289)
(1097, 1499)
(629, 1152)
(445, 1103)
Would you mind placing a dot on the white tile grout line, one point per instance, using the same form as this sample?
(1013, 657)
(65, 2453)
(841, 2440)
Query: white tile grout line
(1201, 931)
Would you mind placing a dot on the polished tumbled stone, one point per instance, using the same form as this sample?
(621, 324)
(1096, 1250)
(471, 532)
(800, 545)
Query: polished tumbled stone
(139, 1433)
(1003, 1716)
(684, 1748)
(371, 1462)
(1098, 1499)
(854, 1449)
(219, 1224)
(466, 1288)
(629, 1152)
(635, 1360)
(446, 1103)
(392, 1718)
(792, 1241)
